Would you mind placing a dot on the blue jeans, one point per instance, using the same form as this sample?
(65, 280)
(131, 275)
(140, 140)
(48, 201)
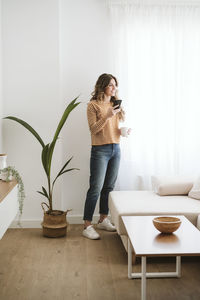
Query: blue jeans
(104, 166)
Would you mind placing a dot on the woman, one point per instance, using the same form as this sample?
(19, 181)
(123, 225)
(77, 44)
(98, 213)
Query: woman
(103, 120)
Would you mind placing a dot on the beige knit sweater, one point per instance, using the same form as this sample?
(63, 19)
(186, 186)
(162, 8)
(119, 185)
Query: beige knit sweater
(103, 131)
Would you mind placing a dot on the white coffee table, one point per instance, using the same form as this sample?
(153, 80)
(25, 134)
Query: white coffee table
(147, 241)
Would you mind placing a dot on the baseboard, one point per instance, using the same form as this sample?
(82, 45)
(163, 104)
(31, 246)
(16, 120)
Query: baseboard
(36, 223)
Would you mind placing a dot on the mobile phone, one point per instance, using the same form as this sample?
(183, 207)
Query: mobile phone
(117, 102)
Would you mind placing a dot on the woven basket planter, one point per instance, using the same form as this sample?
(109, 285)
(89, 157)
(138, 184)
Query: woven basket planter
(54, 223)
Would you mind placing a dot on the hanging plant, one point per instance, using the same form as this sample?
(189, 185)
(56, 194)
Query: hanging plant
(8, 174)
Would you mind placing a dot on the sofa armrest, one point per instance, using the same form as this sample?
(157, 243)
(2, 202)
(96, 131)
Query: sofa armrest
(198, 222)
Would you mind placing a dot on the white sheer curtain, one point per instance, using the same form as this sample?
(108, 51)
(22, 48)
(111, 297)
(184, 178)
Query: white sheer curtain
(156, 52)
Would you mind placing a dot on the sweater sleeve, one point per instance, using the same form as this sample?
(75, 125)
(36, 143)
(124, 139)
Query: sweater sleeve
(94, 124)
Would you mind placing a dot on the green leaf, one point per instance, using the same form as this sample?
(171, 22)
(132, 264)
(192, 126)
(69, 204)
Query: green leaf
(45, 159)
(65, 166)
(45, 192)
(65, 115)
(28, 127)
(68, 170)
(42, 194)
(59, 174)
(62, 169)
(50, 154)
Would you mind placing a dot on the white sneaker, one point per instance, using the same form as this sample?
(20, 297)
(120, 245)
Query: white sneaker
(91, 233)
(106, 225)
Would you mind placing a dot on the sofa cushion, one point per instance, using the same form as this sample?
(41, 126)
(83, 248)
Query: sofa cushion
(174, 185)
(195, 191)
(141, 203)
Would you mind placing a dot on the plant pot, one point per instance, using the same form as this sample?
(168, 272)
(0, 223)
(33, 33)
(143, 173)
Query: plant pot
(54, 223)
(3, 165)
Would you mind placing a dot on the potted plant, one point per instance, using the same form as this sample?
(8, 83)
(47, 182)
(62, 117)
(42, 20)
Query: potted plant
(54, 222)
(8, 173)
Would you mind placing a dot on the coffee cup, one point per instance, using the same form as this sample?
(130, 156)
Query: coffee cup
(124, 131)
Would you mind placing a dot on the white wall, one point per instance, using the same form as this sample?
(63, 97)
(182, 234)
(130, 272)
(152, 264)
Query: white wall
(53, 51)
(31, 88)
(85, 54)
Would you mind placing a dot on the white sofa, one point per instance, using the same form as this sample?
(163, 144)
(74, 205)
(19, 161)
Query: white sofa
(141, 203)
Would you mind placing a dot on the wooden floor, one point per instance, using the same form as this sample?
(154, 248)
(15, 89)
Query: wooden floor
(33, 267)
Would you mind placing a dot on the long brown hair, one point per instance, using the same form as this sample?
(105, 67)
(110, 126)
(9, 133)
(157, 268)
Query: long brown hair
(99, 89)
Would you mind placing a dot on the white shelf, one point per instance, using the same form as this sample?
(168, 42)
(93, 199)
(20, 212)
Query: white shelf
(8, 204)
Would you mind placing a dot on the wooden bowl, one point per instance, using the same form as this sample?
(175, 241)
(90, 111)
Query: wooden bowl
(166, 224)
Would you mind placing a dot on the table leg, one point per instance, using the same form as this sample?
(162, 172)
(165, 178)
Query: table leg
(129, 259)
(178, 266)
(143, 285)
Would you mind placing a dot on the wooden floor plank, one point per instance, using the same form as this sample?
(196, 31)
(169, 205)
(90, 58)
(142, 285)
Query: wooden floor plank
(34, 267)
(99, 279)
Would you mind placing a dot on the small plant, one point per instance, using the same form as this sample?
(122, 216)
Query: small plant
(9, 173)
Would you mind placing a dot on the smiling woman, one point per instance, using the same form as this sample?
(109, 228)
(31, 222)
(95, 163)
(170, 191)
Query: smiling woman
(103, 120)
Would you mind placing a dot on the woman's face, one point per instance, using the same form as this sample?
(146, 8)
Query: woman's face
(111, 89)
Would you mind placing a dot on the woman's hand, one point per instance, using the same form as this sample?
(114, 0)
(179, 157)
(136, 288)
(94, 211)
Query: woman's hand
(112, 111)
